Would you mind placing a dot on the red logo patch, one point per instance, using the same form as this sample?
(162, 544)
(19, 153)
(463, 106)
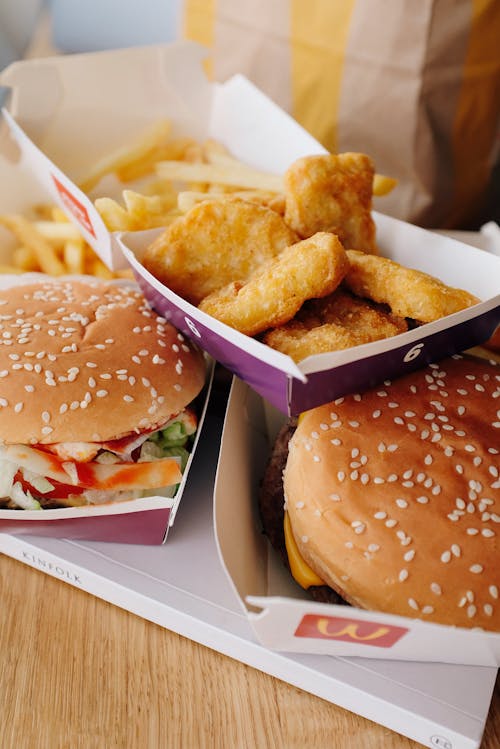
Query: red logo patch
(74, 206)
(349, 630)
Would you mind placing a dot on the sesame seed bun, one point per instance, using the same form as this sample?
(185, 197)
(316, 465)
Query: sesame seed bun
(393, 495)
(88, 361)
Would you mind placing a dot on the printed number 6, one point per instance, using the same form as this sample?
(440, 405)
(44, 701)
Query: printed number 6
(413, 352)
(192, 327)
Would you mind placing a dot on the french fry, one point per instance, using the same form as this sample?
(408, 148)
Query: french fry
(383, 185)
(74, 255)
(238, 175)
(140, 167)
(139, 156)
(99, 269)
(149, 211)
(25, 259)
(57, 214)
(26, 233)
(57, 231)
(113, 214)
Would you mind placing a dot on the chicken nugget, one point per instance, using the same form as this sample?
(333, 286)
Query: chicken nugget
(332, 193)
(274, 293)
(408, 292)
(215, 242)
(338, 321)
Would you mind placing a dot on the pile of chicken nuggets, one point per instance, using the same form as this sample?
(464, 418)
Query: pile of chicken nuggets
(298, 266)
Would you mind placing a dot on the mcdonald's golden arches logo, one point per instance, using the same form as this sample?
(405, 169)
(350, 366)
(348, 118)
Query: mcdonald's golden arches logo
(349, 630)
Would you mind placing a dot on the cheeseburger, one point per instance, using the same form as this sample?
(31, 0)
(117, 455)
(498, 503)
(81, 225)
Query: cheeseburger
(94, 395)
(391, 497)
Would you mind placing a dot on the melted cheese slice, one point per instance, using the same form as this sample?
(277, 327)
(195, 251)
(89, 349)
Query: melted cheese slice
(301, 572)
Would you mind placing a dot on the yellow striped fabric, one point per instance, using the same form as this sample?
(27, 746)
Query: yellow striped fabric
(316, 78)
(199, 26)
(478, 112)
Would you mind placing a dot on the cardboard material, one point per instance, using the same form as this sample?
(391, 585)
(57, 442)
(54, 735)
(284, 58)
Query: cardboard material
(62, 122)
(189, 593)
(282, 616)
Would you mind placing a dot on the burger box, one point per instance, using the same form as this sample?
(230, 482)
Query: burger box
(63, 122)
(140, 521)
(282, 615)
(439, 705)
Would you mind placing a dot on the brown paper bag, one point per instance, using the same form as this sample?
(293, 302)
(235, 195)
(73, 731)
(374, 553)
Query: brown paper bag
(416, 85)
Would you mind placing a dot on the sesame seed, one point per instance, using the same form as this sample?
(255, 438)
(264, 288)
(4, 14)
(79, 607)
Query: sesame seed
(380, 515)
(101, 393)
(413, 604)
(493, 591)
(446, 556)
(401, 503)
(476, 569)
(436, 589)
(408, 556)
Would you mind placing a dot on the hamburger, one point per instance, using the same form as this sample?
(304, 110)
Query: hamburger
(389, 500)
(95, 394)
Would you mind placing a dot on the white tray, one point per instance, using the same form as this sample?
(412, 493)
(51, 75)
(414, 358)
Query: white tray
(438, 705)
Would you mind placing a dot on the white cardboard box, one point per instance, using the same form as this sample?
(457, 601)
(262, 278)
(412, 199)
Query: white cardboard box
(284, 617)
(190, 594)
(64, 122)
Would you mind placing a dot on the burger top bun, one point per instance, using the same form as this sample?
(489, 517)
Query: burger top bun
(88, 361)
(393, 495)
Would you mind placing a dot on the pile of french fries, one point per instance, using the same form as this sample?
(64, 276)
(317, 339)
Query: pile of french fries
(162, 177)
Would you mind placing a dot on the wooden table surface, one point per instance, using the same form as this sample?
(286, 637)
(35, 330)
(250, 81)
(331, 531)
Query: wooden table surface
(77, 672)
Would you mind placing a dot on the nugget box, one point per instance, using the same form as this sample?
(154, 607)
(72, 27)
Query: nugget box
(63, 121)
(282, 615)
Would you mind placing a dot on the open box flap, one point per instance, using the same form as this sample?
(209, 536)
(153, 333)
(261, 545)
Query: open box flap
(283, 617)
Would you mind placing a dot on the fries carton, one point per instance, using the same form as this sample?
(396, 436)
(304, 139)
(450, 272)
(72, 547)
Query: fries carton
(284, 617)
(62, 122)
